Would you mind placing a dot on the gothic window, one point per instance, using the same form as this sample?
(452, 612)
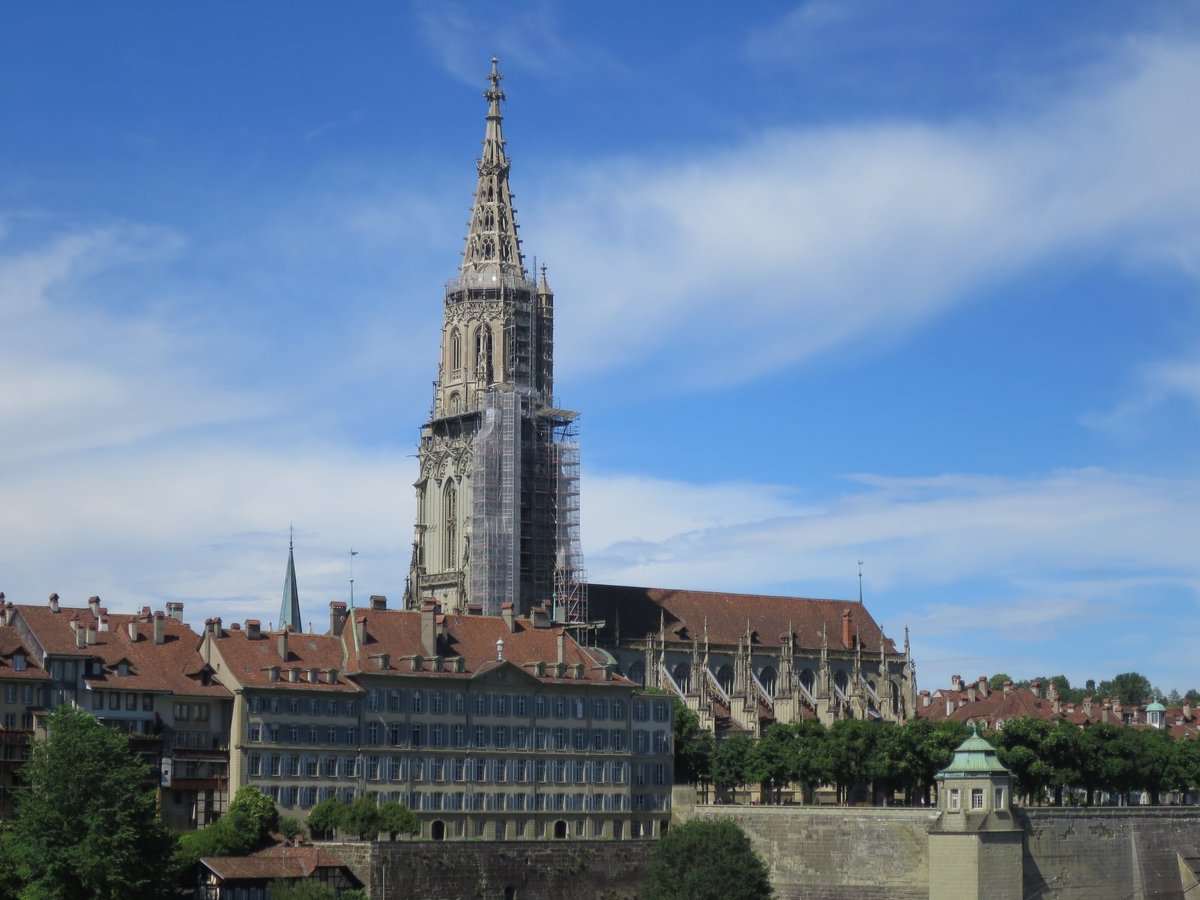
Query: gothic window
(450, 531)
(725, 678)
(683, 676)
(455, 403)
(455, 350)
(483, 354)
(808, 679)
(767, 677)
(842, 680)
(637, 672)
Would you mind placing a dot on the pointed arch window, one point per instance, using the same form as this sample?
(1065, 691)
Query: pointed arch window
(483, 355)
(725, 678)
(455, 350)
(450, 532)
(683, 676)
(768, 677)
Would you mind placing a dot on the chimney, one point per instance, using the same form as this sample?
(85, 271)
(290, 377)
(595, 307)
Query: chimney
(10, 611)
(971, 694)
(160, 627)
(216, 626)
(80, 637)
(94, 605)
(848, 629)
(925, 699)
(1187, 707)
(956, 683)
(281, 644)
(984, 687)
(175, 610)
(506, 613)
(560, 637)
(540, 616)
(360, 624)
(1087, 706)
(378, 602)
(337, 616)
(428, 634)
(949, 706)
(89, 633)
(1008, 686)
(253, 629)
(474, 609)
(54, 603)
(1035, 687)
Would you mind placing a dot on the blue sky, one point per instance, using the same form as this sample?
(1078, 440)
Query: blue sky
(908, 283)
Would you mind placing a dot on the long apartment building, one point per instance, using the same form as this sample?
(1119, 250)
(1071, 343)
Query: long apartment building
(494, 727)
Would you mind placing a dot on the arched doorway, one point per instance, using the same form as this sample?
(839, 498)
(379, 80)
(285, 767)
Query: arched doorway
(560, 830)
(437, 831)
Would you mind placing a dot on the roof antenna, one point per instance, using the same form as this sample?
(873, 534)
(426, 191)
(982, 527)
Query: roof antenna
(353, 553)
(860, 582)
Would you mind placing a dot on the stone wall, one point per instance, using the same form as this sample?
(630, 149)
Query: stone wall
(495, 870)
(1108, 853)
(853, 853)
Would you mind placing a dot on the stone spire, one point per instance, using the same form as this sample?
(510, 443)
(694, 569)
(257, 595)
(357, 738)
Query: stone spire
(289, 609)
(492, 244)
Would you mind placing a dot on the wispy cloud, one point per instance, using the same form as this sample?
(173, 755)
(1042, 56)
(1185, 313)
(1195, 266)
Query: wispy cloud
(795, 243)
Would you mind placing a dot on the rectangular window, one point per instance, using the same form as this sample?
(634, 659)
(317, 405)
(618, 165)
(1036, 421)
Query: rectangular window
(332, 735)
(618, 709)
(437, 736)
(254, 764)
(274, 759)
(977, 798)
(293, 734)
(521, 738)
(273, 733)
(97, 698)
(501, 737)
(253, 732)
(999, 799)
(539, 706)
(418, 701)
(481, 704)
(10, 693)
(502, 704)
(114, 700)
(460, 736)
(518, 705)
(437, 702)
(373, 734)
(148, 702)
(954, 801)
(579, 739)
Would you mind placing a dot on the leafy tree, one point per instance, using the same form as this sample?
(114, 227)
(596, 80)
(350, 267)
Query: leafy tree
(706, 860)
(86, 820)
(362, 819)
(731, 762)
(694, 747)
(1019, 748)
(10, 877)
(850, 745)
(326, 818)
(245, 827)
(1062, 753)
(396, 818)
(996, 682)
(933, 748)
(290, 826)
(811, 765)
(772, 759)
(1131, 687)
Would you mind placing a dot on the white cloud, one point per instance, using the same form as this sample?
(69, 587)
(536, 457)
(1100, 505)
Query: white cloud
(796, 242)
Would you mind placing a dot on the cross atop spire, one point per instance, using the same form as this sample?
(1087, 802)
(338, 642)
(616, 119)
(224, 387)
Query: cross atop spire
(493, 247)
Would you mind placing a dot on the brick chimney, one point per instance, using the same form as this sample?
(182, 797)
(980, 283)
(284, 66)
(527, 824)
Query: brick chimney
(175, 610)
(94, 605)
(160, 627)
(560, 637)
(1087, 706)
(1008, 686)
(429, 627)
(985, 687)
(971, 693)
(281, 644)
(253, 629)
(956, 683)
(506, 613)
(360, 625)
(378, 602)
(337, 616)
(848, 629)
(1035, 688)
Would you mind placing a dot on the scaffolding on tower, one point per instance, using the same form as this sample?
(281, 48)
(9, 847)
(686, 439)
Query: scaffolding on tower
(570, 576)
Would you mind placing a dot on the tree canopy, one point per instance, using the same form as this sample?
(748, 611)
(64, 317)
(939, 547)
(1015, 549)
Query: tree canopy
(86, 820)
(704, 860)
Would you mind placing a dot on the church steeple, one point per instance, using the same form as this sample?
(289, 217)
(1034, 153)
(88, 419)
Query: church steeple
(492, 243)
(289, 609)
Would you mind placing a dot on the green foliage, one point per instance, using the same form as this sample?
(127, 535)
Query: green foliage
(731, 762)
(1131, 687)
(997, 681)
(299, 889)
(706, 861)
(326, 818)
(772, 759)
(244, 828)
(362, 819)
(258, 809)
(9, 876)
(290, 826)
(396, 819)
(694, 747)
(86, 822)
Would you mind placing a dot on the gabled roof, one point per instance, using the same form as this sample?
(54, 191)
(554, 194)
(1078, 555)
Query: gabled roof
(274, 862)
(10, 643)
(238, 656)
(474, 638)
(637, 611)
(174, 666)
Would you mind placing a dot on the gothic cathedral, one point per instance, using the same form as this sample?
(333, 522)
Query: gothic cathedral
(497, 494)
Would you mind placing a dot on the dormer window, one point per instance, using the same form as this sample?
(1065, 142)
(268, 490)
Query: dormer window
(123, 668)
(18, 661)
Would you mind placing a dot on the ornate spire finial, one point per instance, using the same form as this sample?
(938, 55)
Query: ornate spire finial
(492, 244)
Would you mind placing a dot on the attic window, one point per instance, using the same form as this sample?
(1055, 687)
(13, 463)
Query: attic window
(18, 661)
(123, 668)
(273, 673)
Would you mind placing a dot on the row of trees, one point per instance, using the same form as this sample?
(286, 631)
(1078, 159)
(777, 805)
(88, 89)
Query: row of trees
(1058, 760)
(1131, 688)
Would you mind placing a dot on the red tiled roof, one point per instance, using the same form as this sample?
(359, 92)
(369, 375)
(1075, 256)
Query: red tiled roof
(10, 643)
(173, 666)
(249, 661)
(274, 862)
(473, 638)
(636, 611)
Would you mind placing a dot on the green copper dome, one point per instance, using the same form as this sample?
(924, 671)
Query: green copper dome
(1156, 707)
(973, 757)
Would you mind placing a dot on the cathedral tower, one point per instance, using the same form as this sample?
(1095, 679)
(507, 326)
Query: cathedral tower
(497, 510)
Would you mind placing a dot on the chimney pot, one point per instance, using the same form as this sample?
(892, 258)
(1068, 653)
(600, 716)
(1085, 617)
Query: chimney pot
(847, 629)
